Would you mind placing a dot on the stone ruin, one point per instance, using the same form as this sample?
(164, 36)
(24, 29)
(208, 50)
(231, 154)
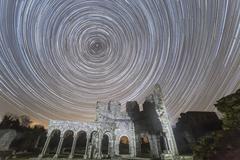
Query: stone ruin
(6, 138)
(132, 133)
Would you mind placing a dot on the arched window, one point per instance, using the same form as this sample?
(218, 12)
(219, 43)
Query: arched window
(81, 144)
(53, 144)
(93, 137)
(124, 145)
(145, 146)
(67, 143)
(105, 144)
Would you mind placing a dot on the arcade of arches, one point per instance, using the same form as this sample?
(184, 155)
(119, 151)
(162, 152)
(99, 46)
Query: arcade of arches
(77, 144)
(133, 133)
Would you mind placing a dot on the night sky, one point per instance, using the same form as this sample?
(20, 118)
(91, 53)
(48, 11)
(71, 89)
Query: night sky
(58, 57)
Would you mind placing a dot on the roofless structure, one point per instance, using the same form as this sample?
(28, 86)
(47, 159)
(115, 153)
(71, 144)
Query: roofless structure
(114, 133)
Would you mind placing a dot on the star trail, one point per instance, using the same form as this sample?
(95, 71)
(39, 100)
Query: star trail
(59, 57)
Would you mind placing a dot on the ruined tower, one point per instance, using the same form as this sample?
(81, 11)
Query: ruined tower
(153, 125)
(161, 110)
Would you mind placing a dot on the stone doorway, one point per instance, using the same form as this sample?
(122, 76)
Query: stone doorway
(145, 146)
(67, 143)
(53, 144)
(81, 144)
(105, 144)
(124, 145)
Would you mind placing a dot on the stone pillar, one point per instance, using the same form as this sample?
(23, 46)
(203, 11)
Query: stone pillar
(37, 141)
(116, 143)
(166, 144)
(134, 140)
(75, 137)
(138, 145)
(159, 145)
(113, 153)
(153, 146)
(100, 136)
(110, 147)
(59, 146)
(86, 148)
(45, 145)
(131, 146)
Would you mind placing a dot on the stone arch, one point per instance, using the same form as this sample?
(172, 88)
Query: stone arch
(53, 144)
(81, 143)
(109, 134)
(67, 142)
(124, 147)
(106, 145)
(145, 145)
(93, 134)
(93, 144)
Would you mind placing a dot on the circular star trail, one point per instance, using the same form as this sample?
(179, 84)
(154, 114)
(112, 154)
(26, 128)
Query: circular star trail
(59, 57)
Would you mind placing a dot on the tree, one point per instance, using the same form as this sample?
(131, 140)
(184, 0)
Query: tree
(10, 121)
(25, 121)
(218, 142)
(27, 137)
(229, 106)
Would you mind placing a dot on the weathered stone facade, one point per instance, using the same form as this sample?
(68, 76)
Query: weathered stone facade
(153, 122)
(114, 124)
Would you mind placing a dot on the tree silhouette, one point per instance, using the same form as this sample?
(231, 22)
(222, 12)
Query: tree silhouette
(225, 144)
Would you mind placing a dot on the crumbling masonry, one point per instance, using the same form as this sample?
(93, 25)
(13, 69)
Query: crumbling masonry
(150, 127)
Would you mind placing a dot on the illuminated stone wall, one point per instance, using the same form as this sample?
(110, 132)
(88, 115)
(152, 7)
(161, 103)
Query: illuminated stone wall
(153, 124)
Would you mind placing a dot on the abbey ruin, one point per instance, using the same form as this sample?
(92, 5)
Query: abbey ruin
(131, 133)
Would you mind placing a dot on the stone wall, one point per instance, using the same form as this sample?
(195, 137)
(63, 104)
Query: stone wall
(109, 121)
(151, 125)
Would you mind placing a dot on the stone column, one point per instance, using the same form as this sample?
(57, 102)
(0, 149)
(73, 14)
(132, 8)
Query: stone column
(134, 140)
(113, 153)
(153, 146)
(110, 147)
(138, 145)
(116, 143)
(45, 145)
(100, 136)
(166, 144)
(86, 148)
(131, 147)
(159, 145)
(75, 137)
(37, 141)
(59, 146)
